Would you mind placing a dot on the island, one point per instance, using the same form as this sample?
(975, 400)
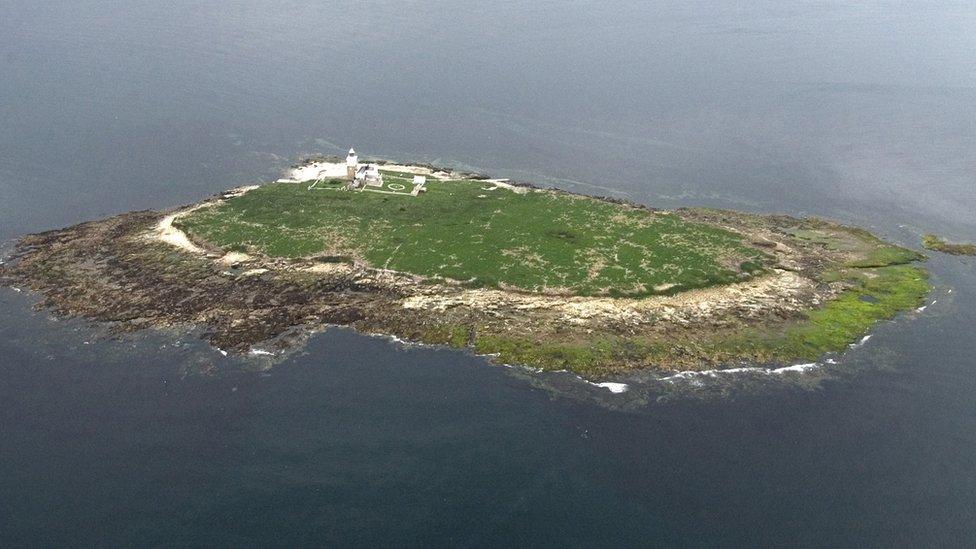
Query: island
(524, 275)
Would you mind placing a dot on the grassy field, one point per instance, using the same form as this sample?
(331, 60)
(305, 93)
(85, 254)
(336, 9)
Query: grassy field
(397, 178)
(467, 231)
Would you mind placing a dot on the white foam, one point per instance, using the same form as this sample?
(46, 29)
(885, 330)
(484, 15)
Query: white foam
(400, 341)
(862, 342)
(922, 308)
(261, 352)
(613, 387)
(735, 370)
(712, 373)
(691, 374)
(221, 351)
(796, 368)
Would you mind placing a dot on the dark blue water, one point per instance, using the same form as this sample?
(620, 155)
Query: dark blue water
(864, 113)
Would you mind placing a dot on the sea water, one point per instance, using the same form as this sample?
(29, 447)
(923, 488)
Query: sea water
(862, 112)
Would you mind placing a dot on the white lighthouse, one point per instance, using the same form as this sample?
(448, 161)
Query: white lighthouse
(352, 162)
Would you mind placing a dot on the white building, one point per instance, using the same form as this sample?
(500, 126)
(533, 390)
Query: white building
(368, 175)
(352, 163)
(365, 175)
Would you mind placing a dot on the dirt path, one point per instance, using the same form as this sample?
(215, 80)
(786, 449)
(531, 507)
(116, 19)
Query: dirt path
(166, 232)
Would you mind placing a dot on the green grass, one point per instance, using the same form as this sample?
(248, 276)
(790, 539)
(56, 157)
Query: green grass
(403, 178)
(538, 241)
(331, 183)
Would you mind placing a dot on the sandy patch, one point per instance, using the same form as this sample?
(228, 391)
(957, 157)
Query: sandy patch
(238, 191)
(231, 258)
(166, 232)
(315, 171)
(327, 268)
(504, 184)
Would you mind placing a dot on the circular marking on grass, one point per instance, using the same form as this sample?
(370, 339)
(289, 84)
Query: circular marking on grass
(395, 187)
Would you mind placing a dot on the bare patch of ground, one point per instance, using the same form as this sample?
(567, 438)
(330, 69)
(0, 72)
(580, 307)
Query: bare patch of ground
(784, 291)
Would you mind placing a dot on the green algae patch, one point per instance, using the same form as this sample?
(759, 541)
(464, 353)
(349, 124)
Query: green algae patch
(877, 294)
(938, 244)
(867, 249)
(886, 255)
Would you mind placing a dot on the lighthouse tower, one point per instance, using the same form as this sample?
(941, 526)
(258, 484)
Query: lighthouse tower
(352, 162)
